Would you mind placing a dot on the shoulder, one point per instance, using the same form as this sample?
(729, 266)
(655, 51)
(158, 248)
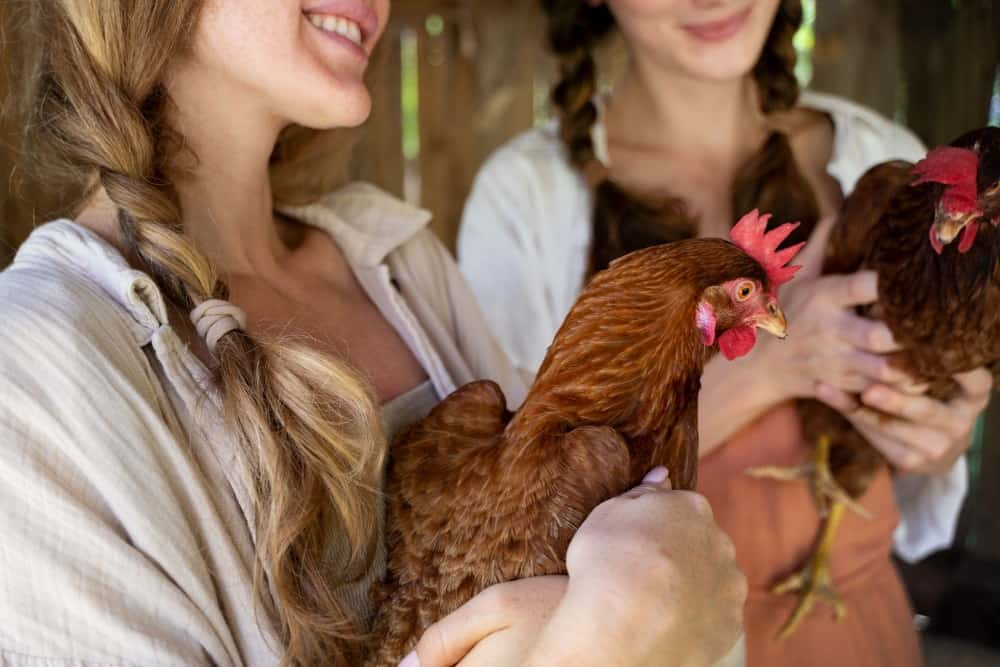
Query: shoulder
(878, 136)
(60, 329)
(538, 147)
(525, 190)
(531, 162)
(862, 137)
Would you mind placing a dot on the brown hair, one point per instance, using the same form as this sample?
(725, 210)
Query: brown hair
(307, 425)
(623, 221)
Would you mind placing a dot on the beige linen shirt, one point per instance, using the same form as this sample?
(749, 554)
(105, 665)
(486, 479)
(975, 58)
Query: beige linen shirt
(125, 531)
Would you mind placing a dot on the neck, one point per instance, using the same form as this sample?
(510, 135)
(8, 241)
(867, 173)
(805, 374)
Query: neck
(225, 193)
(633, 370)
(661, 107)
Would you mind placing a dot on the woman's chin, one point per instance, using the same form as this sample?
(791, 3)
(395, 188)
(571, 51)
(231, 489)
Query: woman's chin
(722, 64)
(342, 111)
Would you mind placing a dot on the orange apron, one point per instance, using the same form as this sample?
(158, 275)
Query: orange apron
(774, 526)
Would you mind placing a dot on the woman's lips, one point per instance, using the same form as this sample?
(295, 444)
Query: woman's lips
(716, 31)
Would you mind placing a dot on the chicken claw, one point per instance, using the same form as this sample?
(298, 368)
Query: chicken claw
(814, 582)
(825, 490)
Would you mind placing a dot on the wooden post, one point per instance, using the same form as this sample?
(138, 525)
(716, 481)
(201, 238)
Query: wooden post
(857, 52)
(950, 55)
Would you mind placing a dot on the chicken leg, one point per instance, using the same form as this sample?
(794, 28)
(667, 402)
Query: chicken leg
(814, 581)
(824, 487)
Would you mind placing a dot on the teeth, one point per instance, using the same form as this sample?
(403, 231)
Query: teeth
(339, 25)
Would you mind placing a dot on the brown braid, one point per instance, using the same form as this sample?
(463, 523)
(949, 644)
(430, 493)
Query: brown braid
(624, 222)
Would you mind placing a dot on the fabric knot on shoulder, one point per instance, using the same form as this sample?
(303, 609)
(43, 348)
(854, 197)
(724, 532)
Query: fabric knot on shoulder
(214, 318)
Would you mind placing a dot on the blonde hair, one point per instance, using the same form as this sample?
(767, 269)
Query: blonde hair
(306, 423)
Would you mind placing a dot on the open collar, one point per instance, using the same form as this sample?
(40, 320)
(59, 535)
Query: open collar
(365, 222)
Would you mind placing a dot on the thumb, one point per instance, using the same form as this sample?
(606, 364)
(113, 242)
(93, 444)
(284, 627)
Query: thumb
(657, 479)
(446, 642)
(811, 256)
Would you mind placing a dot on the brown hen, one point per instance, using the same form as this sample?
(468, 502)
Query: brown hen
(478, 495)
(941, 300)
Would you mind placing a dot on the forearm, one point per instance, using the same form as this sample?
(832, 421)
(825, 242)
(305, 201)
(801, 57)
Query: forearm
(733, 394)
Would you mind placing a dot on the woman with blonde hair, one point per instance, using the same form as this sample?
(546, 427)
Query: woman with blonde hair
(196, 368)
(706, 123)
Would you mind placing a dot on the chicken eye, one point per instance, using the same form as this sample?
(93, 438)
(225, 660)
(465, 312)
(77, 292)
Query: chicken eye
(744, 291)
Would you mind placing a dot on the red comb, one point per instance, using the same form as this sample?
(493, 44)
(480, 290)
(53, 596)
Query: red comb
(750, 235)
(956, 168)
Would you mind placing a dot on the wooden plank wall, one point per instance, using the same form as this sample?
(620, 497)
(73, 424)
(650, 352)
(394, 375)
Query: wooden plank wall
(929, 64)
(478, 63)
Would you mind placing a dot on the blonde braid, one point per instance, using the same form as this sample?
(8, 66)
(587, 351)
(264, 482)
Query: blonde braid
(307, 425)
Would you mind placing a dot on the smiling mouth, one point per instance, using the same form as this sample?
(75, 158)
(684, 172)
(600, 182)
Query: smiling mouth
(719, 30)
(338, 25)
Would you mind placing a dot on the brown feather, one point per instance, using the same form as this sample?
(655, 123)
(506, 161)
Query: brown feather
(477, 496)
(944, 310)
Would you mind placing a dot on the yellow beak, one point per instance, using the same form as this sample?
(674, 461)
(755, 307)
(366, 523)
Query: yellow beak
(774, 323)
(948, 227)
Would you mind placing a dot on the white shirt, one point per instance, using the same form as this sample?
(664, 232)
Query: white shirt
(524, 247)
(125, 530)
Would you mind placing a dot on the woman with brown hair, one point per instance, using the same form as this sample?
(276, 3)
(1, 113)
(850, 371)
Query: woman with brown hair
(195, 371)
(706, 123)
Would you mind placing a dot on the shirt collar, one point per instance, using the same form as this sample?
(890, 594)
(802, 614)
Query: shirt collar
(366, 223)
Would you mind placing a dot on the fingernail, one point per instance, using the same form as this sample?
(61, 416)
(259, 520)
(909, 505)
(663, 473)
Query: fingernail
(655, 476)
(412, 660)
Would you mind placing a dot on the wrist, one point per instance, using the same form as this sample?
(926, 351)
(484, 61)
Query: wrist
(589, 627)
(603, 627)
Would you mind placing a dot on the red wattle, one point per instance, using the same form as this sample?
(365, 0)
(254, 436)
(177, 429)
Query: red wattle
(936, 242)
(968, 237)
(737, 342)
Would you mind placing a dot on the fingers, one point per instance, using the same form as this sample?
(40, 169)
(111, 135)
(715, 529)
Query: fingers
(955, 418)
(811, 256)
(857, 371)
(875, 367)
(446, 642)
(839, 400)
(657, 479)
(924, 440)
(899, 455)
(865, 334)
(976, 384)
(856, 289)
(917, 409)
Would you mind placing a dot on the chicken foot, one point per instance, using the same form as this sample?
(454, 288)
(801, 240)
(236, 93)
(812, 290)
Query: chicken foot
(825, 490)
(814, 582)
